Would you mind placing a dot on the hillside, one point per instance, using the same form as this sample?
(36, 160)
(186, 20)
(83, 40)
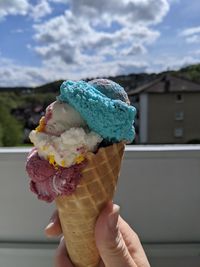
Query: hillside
(191, 72)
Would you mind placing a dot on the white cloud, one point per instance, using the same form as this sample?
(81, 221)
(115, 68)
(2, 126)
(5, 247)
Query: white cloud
(144, 11)
(174, 1)
(193, 39)
(60, 1)
(41, 9)
(24, 7)
(131, 67)
(13, 7)
(74, 36)
(17, 75)
(90, 39)
(135, 49)
(19, 30)
(195, 52)
(191, 35)
(51, 70)
(173, 63)
(190, 31)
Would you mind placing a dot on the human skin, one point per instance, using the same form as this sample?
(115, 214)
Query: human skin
(118, 244)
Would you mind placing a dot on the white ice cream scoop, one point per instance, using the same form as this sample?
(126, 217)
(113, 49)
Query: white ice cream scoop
(61, 117)
(63, 137)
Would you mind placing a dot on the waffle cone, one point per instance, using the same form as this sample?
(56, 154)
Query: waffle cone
(78, 212)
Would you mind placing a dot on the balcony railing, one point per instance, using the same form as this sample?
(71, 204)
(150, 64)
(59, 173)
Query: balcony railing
(159, 195)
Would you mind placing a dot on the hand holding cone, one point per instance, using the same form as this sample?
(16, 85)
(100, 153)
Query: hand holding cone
(78, 212)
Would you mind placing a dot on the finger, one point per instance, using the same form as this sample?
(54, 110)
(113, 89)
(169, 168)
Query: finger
(133, 244)
(101, 264)
(62, 258)
(54, 226)
(109, 240)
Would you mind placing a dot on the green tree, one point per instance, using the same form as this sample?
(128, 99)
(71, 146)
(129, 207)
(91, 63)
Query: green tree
(1, 135)
(10, 128)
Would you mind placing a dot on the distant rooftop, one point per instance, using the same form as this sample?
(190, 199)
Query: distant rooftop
(167, 83)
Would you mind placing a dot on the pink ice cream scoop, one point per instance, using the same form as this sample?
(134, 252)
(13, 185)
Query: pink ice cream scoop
(38, 169)
(47, 181)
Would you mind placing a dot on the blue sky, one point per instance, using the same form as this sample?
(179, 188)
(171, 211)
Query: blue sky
(47, 40)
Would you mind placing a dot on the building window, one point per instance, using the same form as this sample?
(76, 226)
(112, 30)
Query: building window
(179, 98)
(179, 115)
(178, 132)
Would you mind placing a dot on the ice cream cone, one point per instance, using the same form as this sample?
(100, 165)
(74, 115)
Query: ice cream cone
(78, 212)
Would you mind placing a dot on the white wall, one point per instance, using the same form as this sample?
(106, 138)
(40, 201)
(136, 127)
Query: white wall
(158, 191)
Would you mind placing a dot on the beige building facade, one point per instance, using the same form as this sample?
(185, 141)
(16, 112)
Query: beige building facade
(168, 112)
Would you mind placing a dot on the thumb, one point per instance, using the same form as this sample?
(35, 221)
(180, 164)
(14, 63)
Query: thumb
(109, 241)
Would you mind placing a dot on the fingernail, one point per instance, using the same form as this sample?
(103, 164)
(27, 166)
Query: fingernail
(49, 226)
(51, 221)
(113, 217)
(62, 239)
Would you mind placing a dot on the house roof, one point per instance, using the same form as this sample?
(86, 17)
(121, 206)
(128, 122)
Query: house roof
(167, 83)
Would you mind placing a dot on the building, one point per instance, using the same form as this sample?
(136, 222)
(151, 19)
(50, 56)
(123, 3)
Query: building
(168, 111)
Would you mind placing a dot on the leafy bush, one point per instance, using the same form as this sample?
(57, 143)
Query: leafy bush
(1, 135)
(191, 72)
(10, 128)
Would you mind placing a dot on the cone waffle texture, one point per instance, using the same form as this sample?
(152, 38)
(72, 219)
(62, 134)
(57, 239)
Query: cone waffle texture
(79, 211)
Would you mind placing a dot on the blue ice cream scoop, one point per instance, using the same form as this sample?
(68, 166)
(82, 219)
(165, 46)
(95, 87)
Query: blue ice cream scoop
(106, 115)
